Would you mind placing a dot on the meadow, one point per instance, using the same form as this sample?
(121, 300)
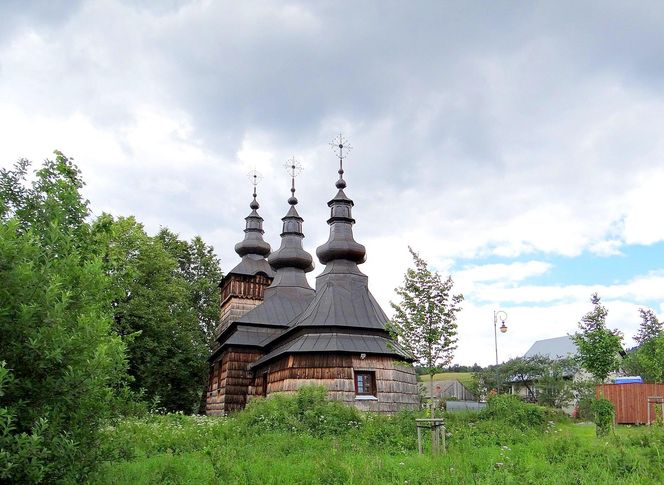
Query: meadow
(304, 439)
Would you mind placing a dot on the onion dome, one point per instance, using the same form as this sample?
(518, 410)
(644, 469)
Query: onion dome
(341, 244)
(253, 242)
(291, 254)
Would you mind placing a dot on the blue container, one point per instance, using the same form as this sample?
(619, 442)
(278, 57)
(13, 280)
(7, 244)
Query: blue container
(629, 380)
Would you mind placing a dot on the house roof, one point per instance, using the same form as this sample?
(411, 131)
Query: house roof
(553, 348)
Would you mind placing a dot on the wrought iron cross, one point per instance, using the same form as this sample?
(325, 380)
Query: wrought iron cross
(293, 167)
(339, 144)
(255, 176)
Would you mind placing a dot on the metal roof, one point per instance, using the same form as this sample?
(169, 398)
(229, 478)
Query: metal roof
(553, 348)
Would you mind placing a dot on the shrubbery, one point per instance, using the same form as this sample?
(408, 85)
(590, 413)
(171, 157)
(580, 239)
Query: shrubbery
(280, 440)
(308, 411)
(511, 409)
(603, 413)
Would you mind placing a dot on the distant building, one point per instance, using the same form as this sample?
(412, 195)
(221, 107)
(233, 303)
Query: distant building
(276, 333)
(556, 348)
(553, 348)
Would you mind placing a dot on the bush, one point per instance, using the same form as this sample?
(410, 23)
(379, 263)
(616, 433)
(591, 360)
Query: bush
(511, 409)
(603, 413)
(308, 411)
(63, 362)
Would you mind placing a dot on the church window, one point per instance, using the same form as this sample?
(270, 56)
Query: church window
(365, 383)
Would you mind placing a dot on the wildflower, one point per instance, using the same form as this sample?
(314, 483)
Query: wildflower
(401, 463)
(499, 464)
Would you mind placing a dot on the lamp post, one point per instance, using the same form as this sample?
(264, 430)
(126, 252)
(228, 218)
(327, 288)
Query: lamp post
(503, 327)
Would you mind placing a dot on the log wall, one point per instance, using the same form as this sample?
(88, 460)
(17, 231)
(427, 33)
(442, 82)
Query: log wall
(230, 379)
(631, 400)
(239, 294)
(396, 384)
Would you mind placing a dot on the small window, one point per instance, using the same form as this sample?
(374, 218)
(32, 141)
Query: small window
(365, 383)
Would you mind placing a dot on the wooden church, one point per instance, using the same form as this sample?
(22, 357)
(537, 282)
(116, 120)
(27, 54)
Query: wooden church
(276, 333)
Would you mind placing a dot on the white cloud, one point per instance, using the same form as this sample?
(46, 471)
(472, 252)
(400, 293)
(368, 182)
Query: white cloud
(478, 131)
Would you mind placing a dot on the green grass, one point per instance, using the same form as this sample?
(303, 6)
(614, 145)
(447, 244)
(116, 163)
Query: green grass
(464, 377)
(308, 442)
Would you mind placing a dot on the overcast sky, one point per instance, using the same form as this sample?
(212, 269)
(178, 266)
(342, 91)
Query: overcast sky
(518, 146)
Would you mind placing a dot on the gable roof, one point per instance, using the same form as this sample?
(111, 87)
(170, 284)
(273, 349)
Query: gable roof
(553, 348)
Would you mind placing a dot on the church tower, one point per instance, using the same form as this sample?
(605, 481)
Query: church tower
(241, 290)
(340, 340)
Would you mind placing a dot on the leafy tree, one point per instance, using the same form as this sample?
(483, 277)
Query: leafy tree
(647, 360)
(598, 346)
(200, 268)
(153, 311)
(650, 327)
(555, 387)
(545, 380)
(425, 320)
(62, 363)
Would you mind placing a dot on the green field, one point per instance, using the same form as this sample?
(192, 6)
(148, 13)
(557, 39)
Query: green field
(305, 440)
(463, 377)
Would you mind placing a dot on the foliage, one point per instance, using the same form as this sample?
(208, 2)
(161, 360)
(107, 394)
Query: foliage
(425, 320)
(514, 411)
(584, 393)
(598, 346)
(63, 363)
(381, 449)
(603, 413)
(308, 411)
(154, 312)
(546, 380)
(199, 268)
(648, 359)
(650, 327)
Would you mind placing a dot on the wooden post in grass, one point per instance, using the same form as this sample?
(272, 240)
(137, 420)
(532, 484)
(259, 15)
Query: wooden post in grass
(437, 427)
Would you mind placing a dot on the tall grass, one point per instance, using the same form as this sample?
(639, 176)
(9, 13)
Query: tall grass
(304, 439)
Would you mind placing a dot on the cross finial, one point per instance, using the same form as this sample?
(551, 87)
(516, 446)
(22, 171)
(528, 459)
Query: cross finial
(342, 147)
(255, 177)
(293, 167)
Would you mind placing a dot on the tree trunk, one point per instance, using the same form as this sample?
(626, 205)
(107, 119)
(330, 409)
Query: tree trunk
(431, 395)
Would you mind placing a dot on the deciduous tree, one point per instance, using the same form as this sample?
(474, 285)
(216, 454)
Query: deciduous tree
(153, 311)
(425, 320)
(62, 362)
(599, 348)
(647, 360)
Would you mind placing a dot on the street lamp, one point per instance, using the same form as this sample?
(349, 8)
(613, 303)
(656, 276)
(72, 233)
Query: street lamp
(503, 327)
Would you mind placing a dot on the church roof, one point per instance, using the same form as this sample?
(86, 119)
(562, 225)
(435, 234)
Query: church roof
(337, 342)
(343, 300)
(290, 293)
(280, 307)
(253, 249)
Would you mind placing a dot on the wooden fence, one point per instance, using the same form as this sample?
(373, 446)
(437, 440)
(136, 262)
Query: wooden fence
(631, 401)
(449, 389)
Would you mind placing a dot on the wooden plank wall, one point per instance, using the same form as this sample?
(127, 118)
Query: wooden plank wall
(230, 380)
(631, 400)
(396, 384)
